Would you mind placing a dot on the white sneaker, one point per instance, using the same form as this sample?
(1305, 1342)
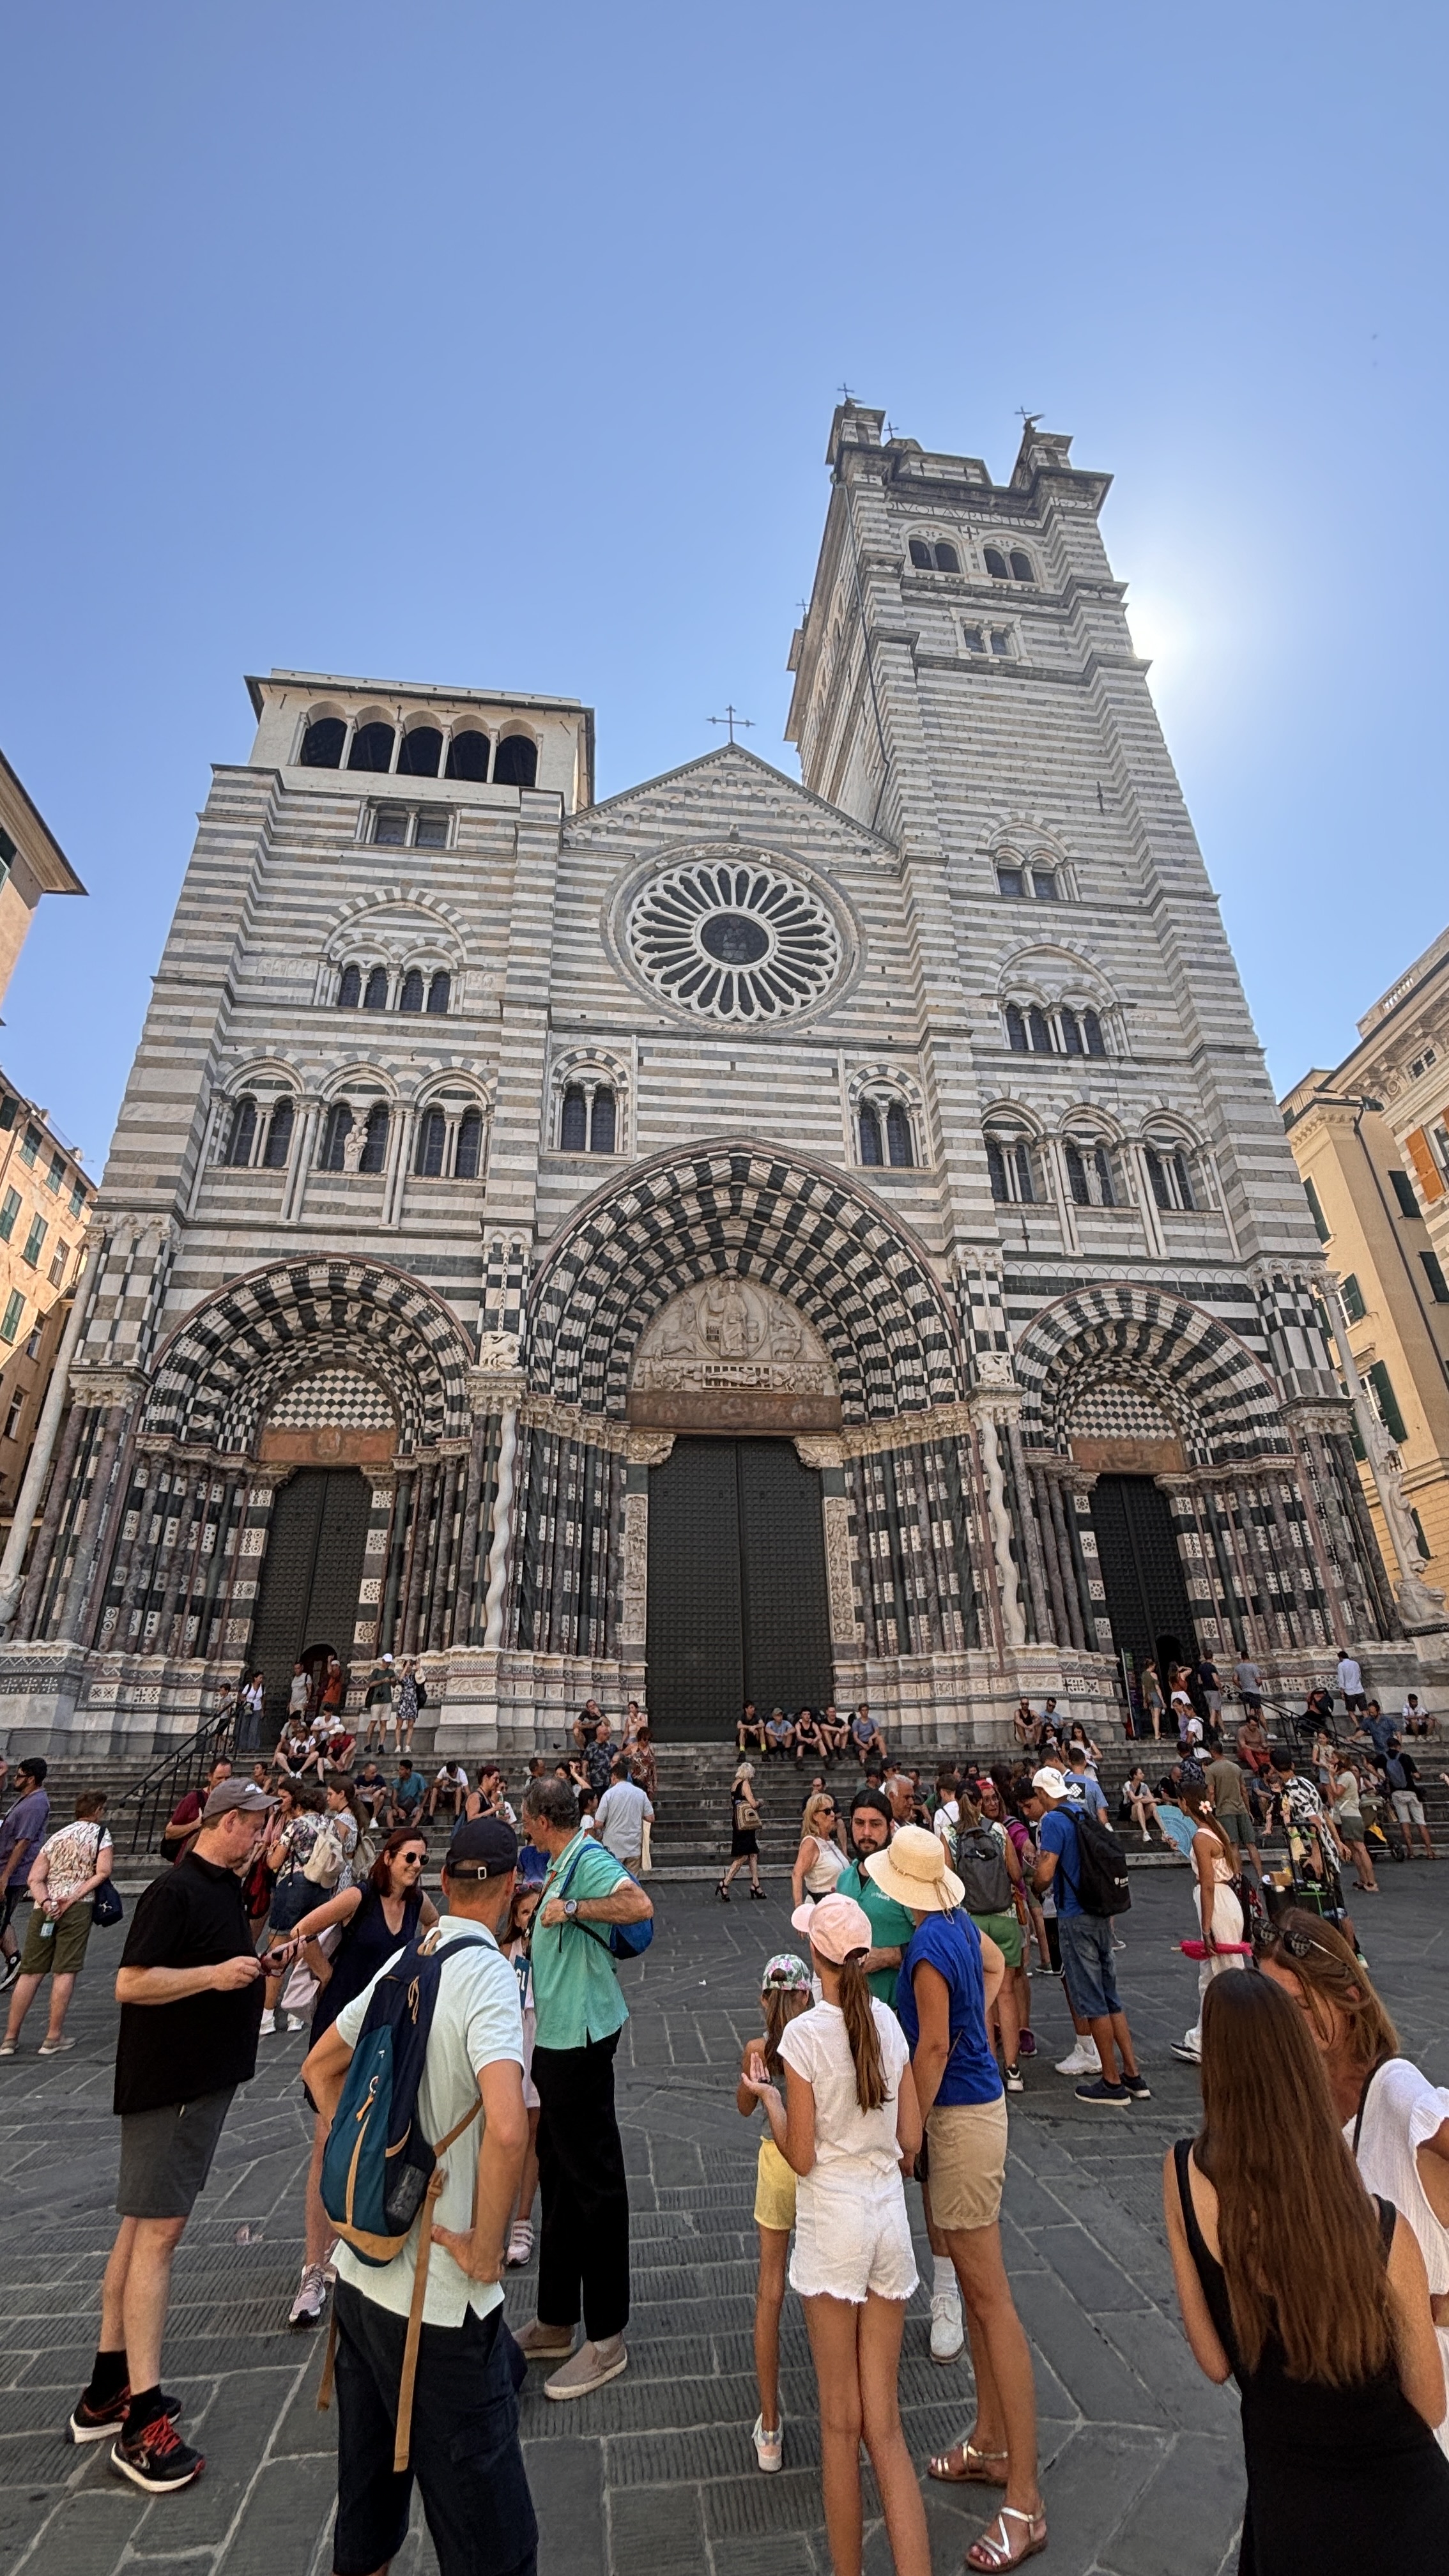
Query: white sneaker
(295, 2022)
(769, 2447)
(948, 2332)
(311, 2297)
(1082, 2060)
(269, 2026)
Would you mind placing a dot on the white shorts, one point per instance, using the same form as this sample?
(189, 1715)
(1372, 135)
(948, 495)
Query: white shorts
(1408, 1806)
(852, 2236)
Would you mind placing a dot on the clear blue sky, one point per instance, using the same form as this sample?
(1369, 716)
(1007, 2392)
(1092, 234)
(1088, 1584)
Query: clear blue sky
(499, 346)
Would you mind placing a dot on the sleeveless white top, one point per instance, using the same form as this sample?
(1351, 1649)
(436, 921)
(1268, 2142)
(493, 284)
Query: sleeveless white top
(825, 1868)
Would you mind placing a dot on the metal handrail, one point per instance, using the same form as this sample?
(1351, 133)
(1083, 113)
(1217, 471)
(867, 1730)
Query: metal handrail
(160, 1789)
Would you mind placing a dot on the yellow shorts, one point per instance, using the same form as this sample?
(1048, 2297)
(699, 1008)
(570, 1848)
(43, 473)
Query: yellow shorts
(967, 2142)
(774, 2190)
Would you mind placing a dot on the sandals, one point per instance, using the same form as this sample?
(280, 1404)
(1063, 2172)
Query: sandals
(520, 2241)
(973, 2471)
(722, 1892)
(992, 2554)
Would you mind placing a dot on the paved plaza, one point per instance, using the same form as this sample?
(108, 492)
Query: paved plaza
(1141, 2465)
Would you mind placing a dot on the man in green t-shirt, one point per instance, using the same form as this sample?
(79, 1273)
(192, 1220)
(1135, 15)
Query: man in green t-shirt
(891, 1926)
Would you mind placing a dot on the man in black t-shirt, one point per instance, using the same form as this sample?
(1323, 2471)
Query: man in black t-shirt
(190, 1989)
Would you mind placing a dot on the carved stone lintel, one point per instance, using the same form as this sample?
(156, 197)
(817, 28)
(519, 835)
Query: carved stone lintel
(106, 1385)
(730, 1333)
(818, 1449)
(648, 1448)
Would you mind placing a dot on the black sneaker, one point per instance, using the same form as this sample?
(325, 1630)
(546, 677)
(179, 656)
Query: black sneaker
(9, 1972)
(93, 2423)
(156, 2458)
(1138, 2087)
(1113, 2097)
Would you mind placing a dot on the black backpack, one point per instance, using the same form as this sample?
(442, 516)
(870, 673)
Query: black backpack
(1101, 1866)
(982, 1871)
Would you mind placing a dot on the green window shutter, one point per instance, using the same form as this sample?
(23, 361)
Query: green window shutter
(1403, 1190)
(1387, 1401)
(1438, 1284)
(1321, 1226)
(15, 1308)
(1352, 1295)
(8, 1214)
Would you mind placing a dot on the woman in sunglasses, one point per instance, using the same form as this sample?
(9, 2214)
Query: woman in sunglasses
(374, 1920)
(1395, 2120)
(821, 1856)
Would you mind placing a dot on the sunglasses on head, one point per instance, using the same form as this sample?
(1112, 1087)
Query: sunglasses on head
(1297, 1944)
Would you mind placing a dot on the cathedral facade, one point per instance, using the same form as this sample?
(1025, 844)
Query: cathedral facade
(806, 1240)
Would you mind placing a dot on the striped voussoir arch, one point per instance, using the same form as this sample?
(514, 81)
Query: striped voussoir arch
(865, 1287)
(1202, 1377)
(228, 1361)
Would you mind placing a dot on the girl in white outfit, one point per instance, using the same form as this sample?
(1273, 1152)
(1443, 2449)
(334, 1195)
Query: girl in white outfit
(1219, 1912)
(848, 2119)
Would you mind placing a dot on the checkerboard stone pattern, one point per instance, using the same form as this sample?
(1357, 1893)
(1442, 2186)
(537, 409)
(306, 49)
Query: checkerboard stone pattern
(1141, 2457)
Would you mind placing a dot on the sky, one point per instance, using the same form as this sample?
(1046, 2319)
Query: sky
(499, 347)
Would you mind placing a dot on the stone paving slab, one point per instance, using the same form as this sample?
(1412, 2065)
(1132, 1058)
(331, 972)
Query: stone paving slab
(1141, 2459)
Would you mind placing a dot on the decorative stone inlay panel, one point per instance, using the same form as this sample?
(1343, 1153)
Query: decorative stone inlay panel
(845, 1627)
(734, 939)
(633, 1621)
(727, 1333)
(337, 1399)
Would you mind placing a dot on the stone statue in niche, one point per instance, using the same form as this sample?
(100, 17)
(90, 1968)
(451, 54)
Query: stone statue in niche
(731, 1332)
(354, 1144)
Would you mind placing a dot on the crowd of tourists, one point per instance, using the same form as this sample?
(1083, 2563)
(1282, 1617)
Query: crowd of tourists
(459, 2078)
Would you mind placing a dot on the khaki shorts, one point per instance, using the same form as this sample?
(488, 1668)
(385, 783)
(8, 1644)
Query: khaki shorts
(967, 2142)
(774, 2190)
(63, 1948)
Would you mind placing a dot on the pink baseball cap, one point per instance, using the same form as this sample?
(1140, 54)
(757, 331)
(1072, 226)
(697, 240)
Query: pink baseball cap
(834, 1927)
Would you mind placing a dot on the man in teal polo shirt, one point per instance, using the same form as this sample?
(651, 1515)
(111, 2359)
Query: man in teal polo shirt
(583, 2253)
(891, 1927)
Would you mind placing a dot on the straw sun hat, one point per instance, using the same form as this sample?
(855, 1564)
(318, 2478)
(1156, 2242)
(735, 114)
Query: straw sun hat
(913, 1870)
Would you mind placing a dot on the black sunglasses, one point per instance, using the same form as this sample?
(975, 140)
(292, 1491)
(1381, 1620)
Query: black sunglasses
(1297, 1944)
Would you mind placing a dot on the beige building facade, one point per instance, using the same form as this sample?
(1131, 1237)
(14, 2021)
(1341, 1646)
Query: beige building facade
(32, 863)
(45, 1205)
(1371, 1142)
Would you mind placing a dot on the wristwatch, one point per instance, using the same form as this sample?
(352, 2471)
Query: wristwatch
(570, 1907)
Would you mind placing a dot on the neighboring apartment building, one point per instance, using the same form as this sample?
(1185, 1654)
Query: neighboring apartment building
(45, 1205)
(1370, 1142)
(32, 863)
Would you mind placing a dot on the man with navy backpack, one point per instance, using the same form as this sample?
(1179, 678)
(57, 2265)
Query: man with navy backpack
(455, 2421)
(588, 1907)
(1077, 1874)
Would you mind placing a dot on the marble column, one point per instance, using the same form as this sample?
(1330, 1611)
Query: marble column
(493, 1602)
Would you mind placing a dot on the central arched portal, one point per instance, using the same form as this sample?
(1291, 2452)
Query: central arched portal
(738, 1606)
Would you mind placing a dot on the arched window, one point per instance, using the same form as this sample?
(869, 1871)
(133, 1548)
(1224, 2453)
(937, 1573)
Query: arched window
(322, 743)
(995, 562)
(921, 555)
(335, 1135)
(432, 1138)
(241, 1133)
(373, 1157)
(1071, 1031)
(440, 993)
(1008, 1160)
(1021, 566)
(1021, 1166)
(375, 997)
(1089, 1176)
(516, 764)
(468, 755)
(898, 1133)
(1092, 1032)
(349, 991)
(947, 559)
(371, 747)
(603, 1120)
(1040, 1028)
(870, 1140)
(411, 996)
(470, 1145)
(934, 558)
(279, 1137)
(390, 827)
(996, 1166)
(573, 1128)
(1171, 1181)
(1010, 881)
(420, 752)
(1015, 1029)
(1044, 885)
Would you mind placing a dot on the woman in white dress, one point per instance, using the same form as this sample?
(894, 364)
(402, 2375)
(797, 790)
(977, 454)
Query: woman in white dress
(1395, 2120)
(848, 2119)
(1219, 1912)
(821, 1857)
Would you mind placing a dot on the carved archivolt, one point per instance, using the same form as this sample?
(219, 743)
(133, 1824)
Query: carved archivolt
(730, 1332)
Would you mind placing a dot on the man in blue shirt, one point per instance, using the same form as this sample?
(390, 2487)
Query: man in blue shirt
(1083, 1788)
(1086, 1939)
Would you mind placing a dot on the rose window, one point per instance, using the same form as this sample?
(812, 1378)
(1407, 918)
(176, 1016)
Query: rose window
(734, 941)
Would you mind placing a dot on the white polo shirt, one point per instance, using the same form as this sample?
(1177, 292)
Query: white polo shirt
(476, 2021)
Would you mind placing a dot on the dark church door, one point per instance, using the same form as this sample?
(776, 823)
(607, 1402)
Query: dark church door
(311, 1575)
(1142, 1571)
(738, 1607)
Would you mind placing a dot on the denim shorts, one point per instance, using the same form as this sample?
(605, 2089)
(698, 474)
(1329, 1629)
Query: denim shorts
(1087, 1965)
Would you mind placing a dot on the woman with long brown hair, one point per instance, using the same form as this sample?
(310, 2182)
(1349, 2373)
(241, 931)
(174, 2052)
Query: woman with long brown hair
(375, 1919)
(1214, 1857)
(1293, 2281)
(1395, 2120)
(848, 2118)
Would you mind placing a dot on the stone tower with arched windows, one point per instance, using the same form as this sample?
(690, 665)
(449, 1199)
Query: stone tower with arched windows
(802, 1241)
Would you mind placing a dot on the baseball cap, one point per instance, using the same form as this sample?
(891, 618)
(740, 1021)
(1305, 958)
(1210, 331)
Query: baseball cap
(1052, 1784)
(834, 1927)
(484, 1848)
(237, 1797)
(787, 1973)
